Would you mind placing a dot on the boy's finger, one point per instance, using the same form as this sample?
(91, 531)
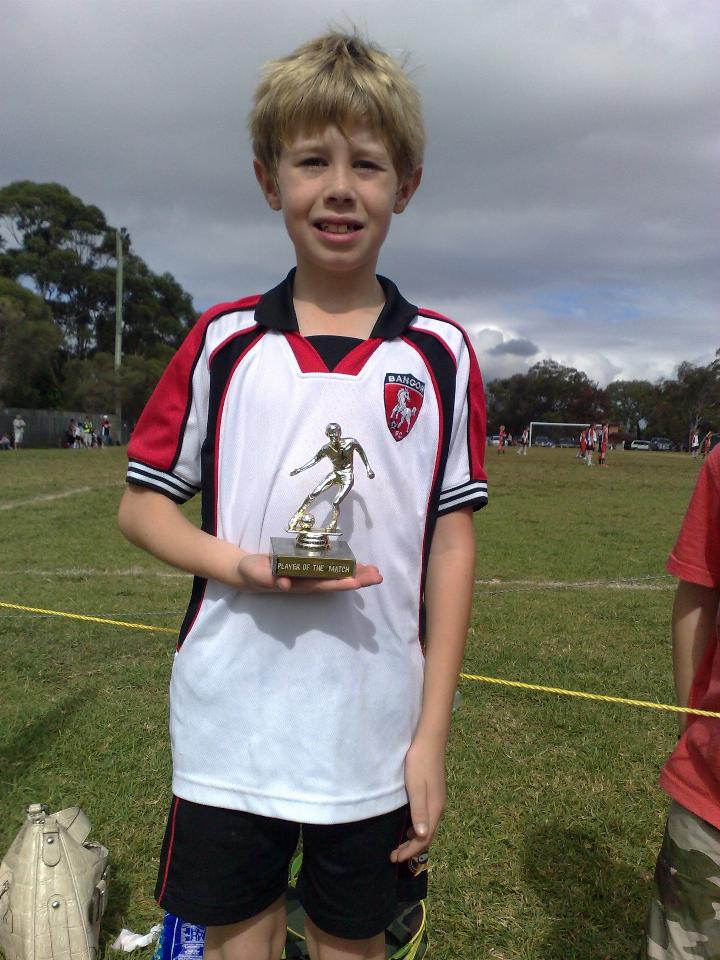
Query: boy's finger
(411, 848)
(365, 576)
(419, 809)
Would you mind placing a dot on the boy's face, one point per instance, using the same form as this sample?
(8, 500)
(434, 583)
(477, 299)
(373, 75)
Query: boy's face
(337, 196)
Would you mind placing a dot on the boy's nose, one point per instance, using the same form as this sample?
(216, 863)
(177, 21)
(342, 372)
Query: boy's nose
(339, 186)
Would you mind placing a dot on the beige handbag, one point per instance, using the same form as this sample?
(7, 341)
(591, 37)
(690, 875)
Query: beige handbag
(52, 888)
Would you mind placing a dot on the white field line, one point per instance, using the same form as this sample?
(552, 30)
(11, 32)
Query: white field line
(42, 498)
(656, 582)
(666, 582)
(508, 586)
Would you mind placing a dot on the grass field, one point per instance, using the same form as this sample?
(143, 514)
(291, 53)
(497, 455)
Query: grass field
(554, 814)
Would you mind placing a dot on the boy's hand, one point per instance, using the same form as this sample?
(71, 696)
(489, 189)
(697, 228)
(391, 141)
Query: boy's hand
(255, 576)
(425, 783)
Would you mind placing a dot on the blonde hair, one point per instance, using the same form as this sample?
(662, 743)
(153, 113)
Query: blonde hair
(337, 80)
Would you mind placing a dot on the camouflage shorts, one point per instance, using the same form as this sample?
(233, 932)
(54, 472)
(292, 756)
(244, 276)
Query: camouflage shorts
(683, 918)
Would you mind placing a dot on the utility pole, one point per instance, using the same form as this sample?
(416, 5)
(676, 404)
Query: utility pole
(118, 327)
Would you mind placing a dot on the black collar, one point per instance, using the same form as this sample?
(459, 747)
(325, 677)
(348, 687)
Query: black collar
(276, 311)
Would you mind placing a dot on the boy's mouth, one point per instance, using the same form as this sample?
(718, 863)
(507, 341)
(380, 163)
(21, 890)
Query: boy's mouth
(326, 227)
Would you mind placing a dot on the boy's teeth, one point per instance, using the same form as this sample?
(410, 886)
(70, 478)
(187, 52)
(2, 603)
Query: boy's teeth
(337, 227)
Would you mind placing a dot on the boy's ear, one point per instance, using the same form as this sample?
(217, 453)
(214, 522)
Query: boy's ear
(268, 185)
(405, 192)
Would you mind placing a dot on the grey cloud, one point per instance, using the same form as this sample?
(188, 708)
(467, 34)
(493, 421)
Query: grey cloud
(569, 199)
(516, 348)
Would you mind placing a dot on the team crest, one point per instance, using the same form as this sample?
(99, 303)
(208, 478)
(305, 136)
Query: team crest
(403, 400)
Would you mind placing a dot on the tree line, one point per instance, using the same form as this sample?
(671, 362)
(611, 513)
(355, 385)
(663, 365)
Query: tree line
(57, 329)
(550, 391)
(57, 306)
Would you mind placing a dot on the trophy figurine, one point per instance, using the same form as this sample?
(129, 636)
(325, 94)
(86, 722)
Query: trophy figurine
(319, 551)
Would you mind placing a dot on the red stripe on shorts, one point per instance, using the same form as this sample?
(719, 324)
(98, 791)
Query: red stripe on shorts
(176, 804)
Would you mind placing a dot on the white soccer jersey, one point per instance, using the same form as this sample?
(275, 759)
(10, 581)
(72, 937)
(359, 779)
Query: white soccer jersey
(303, 707)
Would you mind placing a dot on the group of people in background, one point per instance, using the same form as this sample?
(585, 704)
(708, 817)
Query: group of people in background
(591, 439)
(700, 448)
(504, 439)
(82, 433)
(18, 434)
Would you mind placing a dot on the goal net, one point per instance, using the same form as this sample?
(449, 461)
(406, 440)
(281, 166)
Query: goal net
(546, 434)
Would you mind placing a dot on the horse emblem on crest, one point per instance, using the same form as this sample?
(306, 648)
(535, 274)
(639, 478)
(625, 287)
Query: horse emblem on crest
(403, 399)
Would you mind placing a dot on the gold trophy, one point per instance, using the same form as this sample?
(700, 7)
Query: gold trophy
(320, 552)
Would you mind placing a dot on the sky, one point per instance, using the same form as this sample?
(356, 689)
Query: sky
(570, 203)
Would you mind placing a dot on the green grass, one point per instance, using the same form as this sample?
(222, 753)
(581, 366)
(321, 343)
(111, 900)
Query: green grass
(554, 814)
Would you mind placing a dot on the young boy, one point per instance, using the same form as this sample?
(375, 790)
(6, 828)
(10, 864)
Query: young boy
(312, 705)
(682, 919)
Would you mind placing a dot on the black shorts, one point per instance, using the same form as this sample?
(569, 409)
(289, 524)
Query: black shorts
(222, 866)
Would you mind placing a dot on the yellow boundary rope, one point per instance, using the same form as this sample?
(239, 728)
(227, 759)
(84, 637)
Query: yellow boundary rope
(518, 684)
(80, 616)
(589, 696)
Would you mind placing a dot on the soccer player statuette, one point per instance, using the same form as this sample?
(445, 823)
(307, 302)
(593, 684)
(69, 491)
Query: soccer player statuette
(319, 552)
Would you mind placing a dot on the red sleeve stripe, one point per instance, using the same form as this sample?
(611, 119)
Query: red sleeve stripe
(477, 431)
(157, 437)
(476, 401)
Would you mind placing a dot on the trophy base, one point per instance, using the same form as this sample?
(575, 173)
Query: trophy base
(290, 560)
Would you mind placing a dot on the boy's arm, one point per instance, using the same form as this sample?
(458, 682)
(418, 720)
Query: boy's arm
(693, 622)
(154, 522)
(448, 599)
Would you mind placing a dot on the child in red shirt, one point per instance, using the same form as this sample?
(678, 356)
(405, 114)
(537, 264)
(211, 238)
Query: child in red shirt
(682, 918)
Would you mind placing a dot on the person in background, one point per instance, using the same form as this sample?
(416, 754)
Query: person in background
(694, 442)
(682, 918)
(602, 446)
(105, 438)
(18, 431)
(524, 441)
(87, 431)
(583, 446)
(590, 445)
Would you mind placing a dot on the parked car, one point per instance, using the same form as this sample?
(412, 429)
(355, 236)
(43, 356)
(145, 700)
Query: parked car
(661, 443)
(640, 445)
(568, 442)
(494, 440)
(543, 442)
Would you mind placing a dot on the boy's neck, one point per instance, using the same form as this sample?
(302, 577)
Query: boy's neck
(342, 306)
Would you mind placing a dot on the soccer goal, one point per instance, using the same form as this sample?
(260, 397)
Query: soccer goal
(545, 433)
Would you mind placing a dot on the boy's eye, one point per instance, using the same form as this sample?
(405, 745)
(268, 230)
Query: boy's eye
(312, 162)
(367, 165)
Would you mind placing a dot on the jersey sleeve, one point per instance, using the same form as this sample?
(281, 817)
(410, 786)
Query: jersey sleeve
(464, 481)
(696, 554)
(164, 450)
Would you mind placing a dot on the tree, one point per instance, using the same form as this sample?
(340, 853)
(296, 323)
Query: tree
(548, 391)
(66, 250)
(632, 401)
(30, 343)
(691, 401)
(91, 381)
(156, 309)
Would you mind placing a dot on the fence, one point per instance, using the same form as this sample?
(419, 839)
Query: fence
(47, 428)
